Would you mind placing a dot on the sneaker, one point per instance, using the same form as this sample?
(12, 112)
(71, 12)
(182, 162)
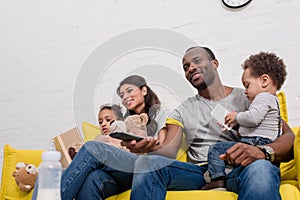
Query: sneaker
(215, 185)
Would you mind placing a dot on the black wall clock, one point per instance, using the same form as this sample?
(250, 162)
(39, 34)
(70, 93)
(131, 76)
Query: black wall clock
(235, 3)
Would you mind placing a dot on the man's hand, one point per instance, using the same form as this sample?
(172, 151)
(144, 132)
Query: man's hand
(242, 154)
(144, 146)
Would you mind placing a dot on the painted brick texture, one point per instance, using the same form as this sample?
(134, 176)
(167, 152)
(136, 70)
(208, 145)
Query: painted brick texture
(45, 44)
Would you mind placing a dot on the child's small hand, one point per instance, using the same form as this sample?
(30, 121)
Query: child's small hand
(223, 128)
(230, 118)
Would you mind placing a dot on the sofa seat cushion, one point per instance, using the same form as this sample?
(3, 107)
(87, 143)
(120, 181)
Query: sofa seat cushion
(288, 191)
(186, 195)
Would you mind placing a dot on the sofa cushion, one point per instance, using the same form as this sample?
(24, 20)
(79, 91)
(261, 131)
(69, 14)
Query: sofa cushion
(186, 195)
(288, 169)
(288, 191)
(282, 105)
(12, 156)
(90, 131)
(297, 152)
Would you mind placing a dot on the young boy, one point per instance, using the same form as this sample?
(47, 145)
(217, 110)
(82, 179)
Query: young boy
(264, 74)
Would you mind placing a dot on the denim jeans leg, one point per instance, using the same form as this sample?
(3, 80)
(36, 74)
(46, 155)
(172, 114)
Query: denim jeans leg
(259, 180)
(257, 140)
(94, 156)
(154, 175)
(216, 166)
(100, 185)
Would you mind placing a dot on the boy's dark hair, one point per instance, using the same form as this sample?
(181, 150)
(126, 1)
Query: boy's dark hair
(267, 63)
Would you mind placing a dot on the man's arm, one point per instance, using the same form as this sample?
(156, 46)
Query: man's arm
(284, 145)
(245, 154)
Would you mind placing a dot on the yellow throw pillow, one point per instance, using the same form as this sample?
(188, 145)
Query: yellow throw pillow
(12, 156)
(90, 131)
(297, 151)
(288, 169)
(282, 105)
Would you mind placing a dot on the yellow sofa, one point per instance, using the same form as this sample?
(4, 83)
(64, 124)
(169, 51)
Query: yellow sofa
(290, 171)
(289, 188)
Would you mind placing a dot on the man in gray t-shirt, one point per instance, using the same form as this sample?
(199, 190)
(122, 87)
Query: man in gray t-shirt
(200, 67)
(201, 129)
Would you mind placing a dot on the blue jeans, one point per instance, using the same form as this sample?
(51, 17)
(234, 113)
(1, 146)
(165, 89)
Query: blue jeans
(216, 166)
(152, 184)
(246, 181)
(97, 172)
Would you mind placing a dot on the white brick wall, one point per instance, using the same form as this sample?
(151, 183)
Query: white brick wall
(44, 44)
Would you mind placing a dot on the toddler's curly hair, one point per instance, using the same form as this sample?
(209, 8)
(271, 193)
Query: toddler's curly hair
(267, 63)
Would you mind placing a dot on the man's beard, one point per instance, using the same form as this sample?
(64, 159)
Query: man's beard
(203, 85)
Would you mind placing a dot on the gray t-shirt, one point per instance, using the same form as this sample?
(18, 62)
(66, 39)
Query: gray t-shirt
(200, 128)
(160, 118)
(262, 118)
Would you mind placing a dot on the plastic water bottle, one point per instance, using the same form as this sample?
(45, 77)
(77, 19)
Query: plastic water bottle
(49, 175)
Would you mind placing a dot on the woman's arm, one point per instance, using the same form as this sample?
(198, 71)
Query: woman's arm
(171, 138)
(171, 143)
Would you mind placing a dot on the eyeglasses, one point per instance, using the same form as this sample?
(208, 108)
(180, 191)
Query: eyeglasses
(128, 91)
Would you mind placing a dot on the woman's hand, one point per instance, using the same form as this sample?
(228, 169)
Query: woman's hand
(144, 146)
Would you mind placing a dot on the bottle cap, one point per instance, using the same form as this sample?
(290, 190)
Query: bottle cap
(51, 155)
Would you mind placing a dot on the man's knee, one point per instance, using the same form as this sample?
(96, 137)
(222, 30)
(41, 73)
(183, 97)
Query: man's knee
(262, 172)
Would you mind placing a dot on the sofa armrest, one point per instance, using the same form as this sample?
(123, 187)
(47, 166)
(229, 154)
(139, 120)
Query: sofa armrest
(12, 156)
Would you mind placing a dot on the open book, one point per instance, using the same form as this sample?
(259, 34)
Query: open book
(63, 142)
